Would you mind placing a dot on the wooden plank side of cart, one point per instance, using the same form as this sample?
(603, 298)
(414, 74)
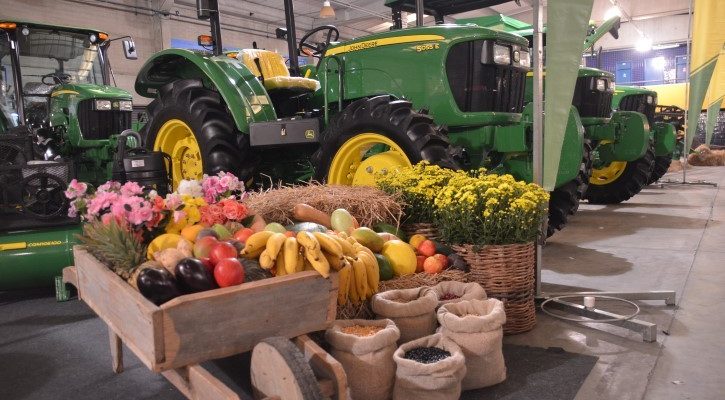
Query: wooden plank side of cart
(198, 327)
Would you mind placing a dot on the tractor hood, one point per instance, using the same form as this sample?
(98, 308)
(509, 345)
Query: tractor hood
(585, 71)
(89, 91)
(624, 91)
(424, 33)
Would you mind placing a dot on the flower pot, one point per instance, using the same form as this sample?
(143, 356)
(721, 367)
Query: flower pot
(508, 273)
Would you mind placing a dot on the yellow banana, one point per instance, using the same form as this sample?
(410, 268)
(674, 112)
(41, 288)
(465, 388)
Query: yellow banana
(308, 241)
(290, 252)
(372, 271)
(342, 235)
(351, 240)
(265, 260)
(344, 284)
(328, 244)
(352, 285)
(274, 244)
(280, 267)
(345, 245)
(318, 261)
(359, 247)
(255, 244)
(335, 262)
(361, 279)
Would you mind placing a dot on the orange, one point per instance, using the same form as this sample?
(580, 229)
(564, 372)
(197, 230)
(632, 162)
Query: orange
(191, 231)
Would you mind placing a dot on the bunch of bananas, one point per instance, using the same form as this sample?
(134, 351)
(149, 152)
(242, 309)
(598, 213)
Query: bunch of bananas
(357, 265)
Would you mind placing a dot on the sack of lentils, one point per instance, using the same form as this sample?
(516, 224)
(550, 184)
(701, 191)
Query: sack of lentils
(365, 349)
(412, 310)
(476, 327)
(453, 292)
(429, 368)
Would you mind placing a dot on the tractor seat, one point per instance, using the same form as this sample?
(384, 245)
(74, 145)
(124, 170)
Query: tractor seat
(270, 67)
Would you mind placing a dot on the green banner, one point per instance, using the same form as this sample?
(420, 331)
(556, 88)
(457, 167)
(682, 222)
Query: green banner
(567, 24)
(699, 82)
(712, 112)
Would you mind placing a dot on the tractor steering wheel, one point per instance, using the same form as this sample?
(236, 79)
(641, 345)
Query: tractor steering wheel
(316, 49)
(59, 78)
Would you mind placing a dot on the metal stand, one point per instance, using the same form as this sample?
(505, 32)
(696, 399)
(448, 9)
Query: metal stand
(646, 329)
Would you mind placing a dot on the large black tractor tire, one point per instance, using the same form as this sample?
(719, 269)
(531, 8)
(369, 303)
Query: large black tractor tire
(661, 165)
(635, 176)
(415, 133)
(222, 146)
(564, 200)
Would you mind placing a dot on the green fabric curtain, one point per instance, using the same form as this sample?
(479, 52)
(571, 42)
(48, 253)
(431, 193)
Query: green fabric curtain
(566, 28)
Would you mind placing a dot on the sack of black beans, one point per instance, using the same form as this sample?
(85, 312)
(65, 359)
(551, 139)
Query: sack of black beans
(476, 327)
(454, 291)
(412, 310)
(365, 349)
(429, 368)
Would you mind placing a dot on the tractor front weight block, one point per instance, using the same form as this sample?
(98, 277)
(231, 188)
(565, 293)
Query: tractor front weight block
(624, 138)
(665, 138)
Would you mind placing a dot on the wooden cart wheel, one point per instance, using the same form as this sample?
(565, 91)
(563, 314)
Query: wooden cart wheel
(279, 369)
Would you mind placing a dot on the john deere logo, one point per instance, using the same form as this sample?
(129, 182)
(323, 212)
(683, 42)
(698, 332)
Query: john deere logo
(517, 56)
(309, 134)
(115, 105)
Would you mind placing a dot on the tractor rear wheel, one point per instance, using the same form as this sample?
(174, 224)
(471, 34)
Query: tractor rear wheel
(662, 164)
(374, 135)
(564, 200)
(190, 123)
(620, 180)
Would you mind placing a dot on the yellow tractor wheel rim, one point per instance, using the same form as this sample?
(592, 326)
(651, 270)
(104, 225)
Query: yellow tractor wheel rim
(608, 174)
(350, 166)
(176, 139)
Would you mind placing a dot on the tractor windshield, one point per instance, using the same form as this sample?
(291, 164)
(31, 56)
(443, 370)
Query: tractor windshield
(8, 102)
(50, 56)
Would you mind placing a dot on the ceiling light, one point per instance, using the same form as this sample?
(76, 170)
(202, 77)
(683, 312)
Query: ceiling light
(327, 11)
(614, 11)
(643, 44)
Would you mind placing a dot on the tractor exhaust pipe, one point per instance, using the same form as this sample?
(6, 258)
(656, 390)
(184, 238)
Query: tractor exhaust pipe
(419, 11)
(209, 9)
(289, 15)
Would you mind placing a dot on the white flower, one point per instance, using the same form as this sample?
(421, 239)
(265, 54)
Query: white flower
(190, 187)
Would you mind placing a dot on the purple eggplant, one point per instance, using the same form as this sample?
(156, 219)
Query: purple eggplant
(192, 276)
(157, 285)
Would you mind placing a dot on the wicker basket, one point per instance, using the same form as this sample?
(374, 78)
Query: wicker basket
(421, 228)
(506, 272)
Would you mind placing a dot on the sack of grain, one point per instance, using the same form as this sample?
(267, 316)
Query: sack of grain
(476, 327)
(365, 349)
(412, 310)
(453, 292)
(424, 373)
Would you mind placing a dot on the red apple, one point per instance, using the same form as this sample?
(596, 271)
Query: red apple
(243, 234)
(203, 246)
(427, 248)
(442, 259)
(222, 250)
(420, 260)
(229, 272)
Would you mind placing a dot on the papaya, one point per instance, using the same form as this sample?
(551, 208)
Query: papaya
(382, 227)
(368, 238)
(384, 268)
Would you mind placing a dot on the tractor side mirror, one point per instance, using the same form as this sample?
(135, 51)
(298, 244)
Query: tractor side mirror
(129, 49)
(202, 9)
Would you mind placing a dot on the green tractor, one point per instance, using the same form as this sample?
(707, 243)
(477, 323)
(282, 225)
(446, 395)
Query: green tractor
(622, 137)
(59, 119)
(449, 94)
(663, 124)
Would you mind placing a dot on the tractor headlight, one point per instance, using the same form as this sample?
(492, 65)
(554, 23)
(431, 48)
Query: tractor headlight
(612, 86)
(501, 54)
(125, 105)
(103, 105)
(525, 59)
(650, 100)
(601, 85)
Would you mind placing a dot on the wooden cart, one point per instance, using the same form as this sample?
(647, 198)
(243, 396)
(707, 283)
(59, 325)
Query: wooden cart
(176, 337)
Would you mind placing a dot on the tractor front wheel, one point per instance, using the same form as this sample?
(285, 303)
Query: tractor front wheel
(378, 135)
(564, 200)
(190, 123)
(620, 180)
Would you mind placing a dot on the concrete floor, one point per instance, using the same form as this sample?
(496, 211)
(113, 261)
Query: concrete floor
(668, 237)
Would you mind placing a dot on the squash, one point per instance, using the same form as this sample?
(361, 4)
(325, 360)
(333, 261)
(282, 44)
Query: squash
(306, 213)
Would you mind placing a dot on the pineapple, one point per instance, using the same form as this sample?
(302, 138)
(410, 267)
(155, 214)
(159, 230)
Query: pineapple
(118, 247)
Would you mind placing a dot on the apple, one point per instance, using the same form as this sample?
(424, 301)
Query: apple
(203, 246)
(432, 265)
(427, 248)
(208, 264)
(420, 262)
(229, 272)
(222, 250)
(443, 259)
(243, 234)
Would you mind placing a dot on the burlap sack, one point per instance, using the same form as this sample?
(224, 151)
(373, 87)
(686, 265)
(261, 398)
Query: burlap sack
(436, 381)
(464, 291)
(368, 361)
(476, 326)
(412, 310)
